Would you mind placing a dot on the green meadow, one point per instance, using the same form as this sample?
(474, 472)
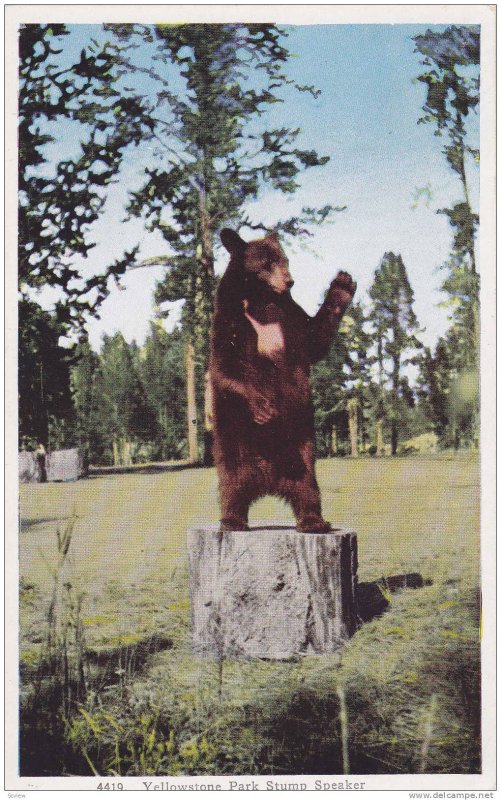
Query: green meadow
(110, 603)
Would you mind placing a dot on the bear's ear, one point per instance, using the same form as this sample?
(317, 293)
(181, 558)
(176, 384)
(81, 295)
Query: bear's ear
(274, 235)
(232, 241)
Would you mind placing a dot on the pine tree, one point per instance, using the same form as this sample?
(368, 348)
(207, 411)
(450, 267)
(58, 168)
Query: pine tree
(214, 155)
(58, 202)
(329, 400)
(394, 328)
(163, 377)
(60, 199)
(358, 341)
(86, 401)
(452, 78)
(453, 85)
(124, 415)
(45, 407)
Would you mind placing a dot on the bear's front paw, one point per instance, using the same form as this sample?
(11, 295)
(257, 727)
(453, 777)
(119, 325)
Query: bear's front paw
(341, 291)
(261, 408)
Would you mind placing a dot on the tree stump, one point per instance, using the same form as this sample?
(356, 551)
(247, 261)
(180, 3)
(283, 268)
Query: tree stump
(30, 470)
(64, 465)
(271, 592)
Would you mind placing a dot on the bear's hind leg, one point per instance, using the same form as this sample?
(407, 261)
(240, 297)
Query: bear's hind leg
(306, 506)
(239, 487)
(234, 513)
(304, 497)
(235, 488)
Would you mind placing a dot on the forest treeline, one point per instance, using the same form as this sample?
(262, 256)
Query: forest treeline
(200, 127)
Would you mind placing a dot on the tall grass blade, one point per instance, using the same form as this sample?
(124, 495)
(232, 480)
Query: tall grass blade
(343, 721)
(428, 732)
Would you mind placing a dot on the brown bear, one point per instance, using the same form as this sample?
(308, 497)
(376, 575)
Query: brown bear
(262, 347)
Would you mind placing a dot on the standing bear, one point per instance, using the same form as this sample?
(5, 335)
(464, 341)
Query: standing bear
(262, 347)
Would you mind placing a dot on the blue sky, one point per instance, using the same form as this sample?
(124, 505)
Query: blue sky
(366, 121)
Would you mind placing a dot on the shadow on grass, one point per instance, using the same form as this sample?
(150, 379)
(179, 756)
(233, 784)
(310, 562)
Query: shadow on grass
(52, 696)
(373, 597)
(142, 469)
(110, 662)
(25, 524)
(423, 717)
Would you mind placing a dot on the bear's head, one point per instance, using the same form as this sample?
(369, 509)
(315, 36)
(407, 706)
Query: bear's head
(262, 260)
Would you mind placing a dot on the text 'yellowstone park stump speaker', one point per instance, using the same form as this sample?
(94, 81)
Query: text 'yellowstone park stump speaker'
(271, 592)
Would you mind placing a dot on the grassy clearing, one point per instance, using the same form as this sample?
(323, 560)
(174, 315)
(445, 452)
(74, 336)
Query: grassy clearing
(403, 694)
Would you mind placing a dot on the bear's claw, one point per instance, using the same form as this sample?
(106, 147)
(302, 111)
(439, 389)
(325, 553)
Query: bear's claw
(232, 525)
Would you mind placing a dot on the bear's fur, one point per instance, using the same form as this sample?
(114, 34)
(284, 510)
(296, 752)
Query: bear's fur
(262, 347)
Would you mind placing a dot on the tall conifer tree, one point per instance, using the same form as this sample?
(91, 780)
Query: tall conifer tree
(60, 197)
(214, 153)
(395, 327)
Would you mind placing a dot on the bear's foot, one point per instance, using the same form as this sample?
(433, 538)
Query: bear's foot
(233, 524)
(313, 524)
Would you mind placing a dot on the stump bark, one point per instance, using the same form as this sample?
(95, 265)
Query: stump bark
(64, 465)
(271, 592)
(29, 467)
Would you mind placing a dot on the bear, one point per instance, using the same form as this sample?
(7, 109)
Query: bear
(262, 347)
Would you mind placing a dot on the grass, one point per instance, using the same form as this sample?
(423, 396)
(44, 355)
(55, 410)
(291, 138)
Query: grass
(402, 696)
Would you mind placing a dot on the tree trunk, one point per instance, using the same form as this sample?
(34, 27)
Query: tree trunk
(394, 437)
(191, 404)
(126, 450)
(379, 438)
(207, 271)
(379, 419)
(208, 422)
(396, 386)
(353, 425)
(43, 422)
(334, 441)
(363, 424)
(462, 174)
(272, 592)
